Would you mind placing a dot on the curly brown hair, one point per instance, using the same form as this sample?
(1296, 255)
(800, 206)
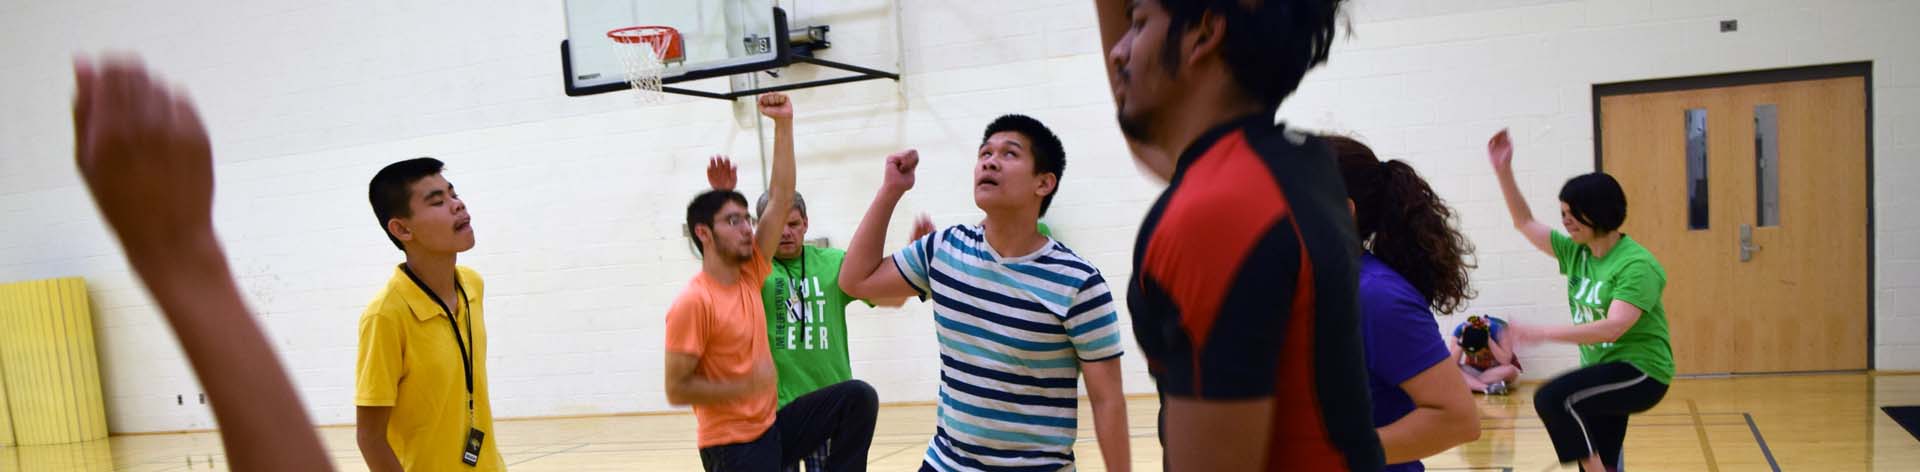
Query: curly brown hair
(1407, 225)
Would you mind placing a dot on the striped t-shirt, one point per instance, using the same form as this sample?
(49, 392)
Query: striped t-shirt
(1013, 332)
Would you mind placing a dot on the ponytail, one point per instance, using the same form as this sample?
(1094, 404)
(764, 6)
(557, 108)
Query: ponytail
(1407, 225)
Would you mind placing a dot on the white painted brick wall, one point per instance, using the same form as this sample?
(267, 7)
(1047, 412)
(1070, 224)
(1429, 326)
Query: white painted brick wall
(1530, 65)
(578, 201)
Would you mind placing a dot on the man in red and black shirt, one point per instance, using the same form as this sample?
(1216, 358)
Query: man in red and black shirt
(1243, 294)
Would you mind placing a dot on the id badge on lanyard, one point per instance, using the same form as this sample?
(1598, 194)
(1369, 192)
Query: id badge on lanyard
(470, 455)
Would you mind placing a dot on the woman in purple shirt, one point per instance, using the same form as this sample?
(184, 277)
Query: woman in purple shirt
(1414, 264)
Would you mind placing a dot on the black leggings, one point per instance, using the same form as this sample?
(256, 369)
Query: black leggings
(1586, 410)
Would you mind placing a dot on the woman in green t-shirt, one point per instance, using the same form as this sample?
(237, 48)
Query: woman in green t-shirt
(1613, 287)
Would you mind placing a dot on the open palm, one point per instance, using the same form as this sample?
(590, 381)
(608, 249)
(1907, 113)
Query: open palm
(1500, 151)
(721, 173)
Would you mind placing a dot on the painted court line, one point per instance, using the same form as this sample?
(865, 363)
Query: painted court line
(891, 454)
(543, 456)
(1635, 425)
(1762, 440)
(1700, 429)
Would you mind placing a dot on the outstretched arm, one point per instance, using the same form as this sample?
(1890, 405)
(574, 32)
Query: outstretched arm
(1620, 316)
(766, 235)
(147, 160)
(1116, 18)
(1500, 153)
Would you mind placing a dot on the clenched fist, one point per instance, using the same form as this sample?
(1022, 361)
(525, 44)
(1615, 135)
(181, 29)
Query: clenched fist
(776, 106)
(899, 173)
(144, 153)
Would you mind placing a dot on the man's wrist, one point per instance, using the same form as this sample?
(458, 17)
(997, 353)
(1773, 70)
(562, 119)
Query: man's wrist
(189, 257)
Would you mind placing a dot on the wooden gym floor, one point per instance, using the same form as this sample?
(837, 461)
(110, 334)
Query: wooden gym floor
(1799, 422)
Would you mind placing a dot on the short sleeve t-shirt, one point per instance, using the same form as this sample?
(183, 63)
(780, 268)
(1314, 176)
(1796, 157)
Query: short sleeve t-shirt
(725, 325)
(1013, 332)
(1245, 287)
(1630, 274)
(807, 321)
(1402, 339)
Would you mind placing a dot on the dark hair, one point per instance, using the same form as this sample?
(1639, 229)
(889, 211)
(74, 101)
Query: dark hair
(1269, 46)
(1596, 200)
(705, 207)
(392, 187)
(1049, 156)
(760, 207)
(1411, 227)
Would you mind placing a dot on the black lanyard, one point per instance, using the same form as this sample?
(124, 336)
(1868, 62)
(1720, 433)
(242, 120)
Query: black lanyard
(793, 293)
(466, 358)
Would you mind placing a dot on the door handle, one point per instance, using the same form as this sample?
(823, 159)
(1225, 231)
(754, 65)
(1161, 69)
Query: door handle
(1747, 247)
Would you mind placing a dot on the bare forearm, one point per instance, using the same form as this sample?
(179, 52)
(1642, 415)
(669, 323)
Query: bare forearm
(1213, 435)
(864, 252)
(1590, 333)
(782, 182)
(263, 424)
(1423, 433)
(1444, 416)
(1110, 428)
(699, 391)
(1112, 16)
(1516, 203)
(379, 455)
(1500, 353)
(779, 189)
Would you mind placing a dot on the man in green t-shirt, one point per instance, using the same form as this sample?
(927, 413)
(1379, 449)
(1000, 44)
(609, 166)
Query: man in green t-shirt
(806, 311)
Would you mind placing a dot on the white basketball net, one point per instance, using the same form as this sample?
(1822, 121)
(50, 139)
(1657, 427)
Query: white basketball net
(643, 52)
(641, 60)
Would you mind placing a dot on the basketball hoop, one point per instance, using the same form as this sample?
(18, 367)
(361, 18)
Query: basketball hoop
(645, 52)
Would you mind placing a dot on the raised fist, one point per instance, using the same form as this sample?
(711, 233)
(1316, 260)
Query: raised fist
(143, 152)
(900, 166)
(777, 106)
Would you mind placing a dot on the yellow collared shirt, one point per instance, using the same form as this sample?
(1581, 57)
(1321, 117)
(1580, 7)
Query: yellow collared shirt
(409, 360)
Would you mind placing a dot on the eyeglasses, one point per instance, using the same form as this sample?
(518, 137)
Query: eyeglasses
(737, 220)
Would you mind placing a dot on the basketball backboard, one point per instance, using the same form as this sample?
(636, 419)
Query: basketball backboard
(719, 38)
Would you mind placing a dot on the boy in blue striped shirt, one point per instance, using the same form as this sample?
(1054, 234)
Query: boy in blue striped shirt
(1019, 316)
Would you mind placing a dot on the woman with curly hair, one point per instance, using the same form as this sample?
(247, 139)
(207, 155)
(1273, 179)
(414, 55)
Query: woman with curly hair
(1415, 262)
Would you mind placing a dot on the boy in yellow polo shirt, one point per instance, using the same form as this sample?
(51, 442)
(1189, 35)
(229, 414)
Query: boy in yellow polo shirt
(421, 378)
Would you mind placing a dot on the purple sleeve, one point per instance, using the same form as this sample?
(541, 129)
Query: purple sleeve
(1403, 339)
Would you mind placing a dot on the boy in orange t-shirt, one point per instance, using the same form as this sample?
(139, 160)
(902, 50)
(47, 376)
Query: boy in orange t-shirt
(717, 355)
